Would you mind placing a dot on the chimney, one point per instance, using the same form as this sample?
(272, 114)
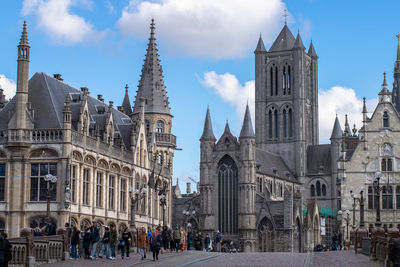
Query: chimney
(100, 97)
(58, 77)
(188, 190)
(85, 90)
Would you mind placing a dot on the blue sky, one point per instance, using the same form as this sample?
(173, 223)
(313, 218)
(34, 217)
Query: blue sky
(206, 49)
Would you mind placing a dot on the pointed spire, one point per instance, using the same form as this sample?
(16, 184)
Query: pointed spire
(347, 129)
(208, 134)
(298, 43)
(151, 84)
(398, 47)
(311, 50)
(247, 127)
(260, 45)
(364, 106)
(24, 36)
(284, 41)
(126, 103)
(384, 90)
(337, 130)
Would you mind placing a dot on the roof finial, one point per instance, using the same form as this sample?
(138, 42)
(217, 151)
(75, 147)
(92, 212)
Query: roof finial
(285, 15)
(126, 88)
(152, 28)
(384, 79)
(24, 36)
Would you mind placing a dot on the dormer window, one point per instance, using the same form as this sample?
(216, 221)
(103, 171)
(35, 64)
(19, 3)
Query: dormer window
(385, 119)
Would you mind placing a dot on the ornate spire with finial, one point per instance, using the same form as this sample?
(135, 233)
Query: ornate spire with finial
(354, 130)
(285, 15)
(364, 106)
(126, 103)
(384, 90)
(24, 36)
(208, 134)
(347, 130)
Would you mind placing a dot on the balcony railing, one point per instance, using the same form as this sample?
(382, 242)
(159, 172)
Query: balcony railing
(31, 136)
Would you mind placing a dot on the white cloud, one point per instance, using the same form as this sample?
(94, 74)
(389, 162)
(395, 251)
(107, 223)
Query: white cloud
(55, 17)
(228, 87)
(216, 29)
(8, 86)
(336, 100)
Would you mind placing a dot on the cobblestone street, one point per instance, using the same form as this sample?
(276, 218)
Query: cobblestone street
(197, 259)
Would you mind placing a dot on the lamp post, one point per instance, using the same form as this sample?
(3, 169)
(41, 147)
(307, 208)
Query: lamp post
(187, 214)
(360, 200)
(347, 223)
(135, 196)
(377, 189)
(50, 179)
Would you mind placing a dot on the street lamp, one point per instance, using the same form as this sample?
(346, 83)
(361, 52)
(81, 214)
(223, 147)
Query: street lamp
(377, 189)
(360, 200)
(50, 179)
(187, 214)
(347, 223)
(135, 196)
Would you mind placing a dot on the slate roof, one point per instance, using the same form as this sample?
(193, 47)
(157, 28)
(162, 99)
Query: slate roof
(47, 96)
(337, 130)
(319, 156)
(207, 130)
(268, 162)
(284, 41)
(298, 44)
(260, 45)
(247, 127)
(311, 50)
(151, 84)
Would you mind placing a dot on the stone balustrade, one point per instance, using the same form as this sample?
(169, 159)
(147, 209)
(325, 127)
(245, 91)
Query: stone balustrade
(31, 136)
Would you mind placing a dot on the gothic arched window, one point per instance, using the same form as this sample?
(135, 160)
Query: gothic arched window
(387, 197)
(284, 123)
(227, 195)
(270, 124)
(160, 127)
(312, 190)
(276, 124)
(276, 81)
(386, 165)
(147, 126)
(290, 123)
(284, 80)
(385, 119)
(324, 190)
(318, 188)
(288, 81)
(271, 74)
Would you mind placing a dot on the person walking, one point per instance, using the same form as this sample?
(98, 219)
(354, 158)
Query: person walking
(113, 240)
(74, 242)
(165, 237)
(143, 242)
(177, 238)
(189, 241)
(95, 238)
(126, 237)
(334, 242)
(50, 229)
(196, 242)
(5, 250)
(86, 243)
(171, 240)
(207, 243)
(155, 245)
(106, 244)
(340, 240)
(218, 240)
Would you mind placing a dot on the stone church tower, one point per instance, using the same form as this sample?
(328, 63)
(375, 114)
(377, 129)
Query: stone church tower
(286, 117)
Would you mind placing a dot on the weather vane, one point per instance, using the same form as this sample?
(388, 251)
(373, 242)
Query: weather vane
(285, 15)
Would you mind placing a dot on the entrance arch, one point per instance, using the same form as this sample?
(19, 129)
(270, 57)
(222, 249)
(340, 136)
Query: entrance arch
(265, 235)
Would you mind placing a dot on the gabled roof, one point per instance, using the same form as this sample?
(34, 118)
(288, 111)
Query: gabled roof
(151, 84)
(284, 41)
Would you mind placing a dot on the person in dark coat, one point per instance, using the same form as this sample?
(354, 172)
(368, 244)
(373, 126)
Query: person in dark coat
(5, 250)
(340, 240)
(86, 243)
(50, 229)
(74, 242)
(127, 237)
(395, 252)
(155, 245)
(95, 238)
(189, 241)
(106, 244)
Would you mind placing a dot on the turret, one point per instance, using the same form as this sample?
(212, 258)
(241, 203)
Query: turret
(126, 104)
(247, 137)
(207, 142)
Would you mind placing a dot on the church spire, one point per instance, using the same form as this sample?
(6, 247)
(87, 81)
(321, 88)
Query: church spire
(126, 103)
(397, 63)
(260, 46)
(298, 43)
(151, 85)
(396, 82)
(311, 50)
(247, 127)
(337, 130)
(207, 131)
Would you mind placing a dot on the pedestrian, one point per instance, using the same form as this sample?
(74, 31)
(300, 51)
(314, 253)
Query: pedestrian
(37, 233)
(50, 229)
(86, 243)
(340, 240)
(105, 247)
(395, 252)
(165, 237)
(334, 242)
(95, 238)
(218, 240)
(113, 240)
(68, 230)
(183, 239)
(171, 240)
(189, 241)
(126, 237)
(177, 238)
(207, 243)
(196, 241)
(200, 241)
(143, 242)
(5, 250)
(155, 245)
(74, 242)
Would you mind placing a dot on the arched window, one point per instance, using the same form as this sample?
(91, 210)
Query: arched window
(290, 123)
(386, 165)
(271, 74)
(318, 188)
(385, 119)
(284, 80)
(312, 190)
(288, 81)
(276, 81)
(270, 124)
(387, 197)
(371, 198)
(160, 158)
(324, 190)
(160, 127)
(227, 195)
(284, 123)
(260, 184)
(276, 124)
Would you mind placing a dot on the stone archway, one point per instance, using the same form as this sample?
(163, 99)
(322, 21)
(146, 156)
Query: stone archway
(265, 231)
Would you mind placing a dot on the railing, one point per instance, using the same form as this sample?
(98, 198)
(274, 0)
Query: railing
(164, 138)
(31, 136)
(33, 251)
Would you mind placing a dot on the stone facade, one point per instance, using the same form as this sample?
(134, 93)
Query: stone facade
(99, 154)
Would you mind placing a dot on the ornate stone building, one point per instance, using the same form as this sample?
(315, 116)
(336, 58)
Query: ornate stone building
(267, 190)
(374, 149)
(99, 154)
